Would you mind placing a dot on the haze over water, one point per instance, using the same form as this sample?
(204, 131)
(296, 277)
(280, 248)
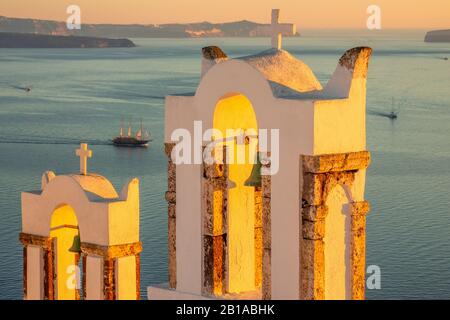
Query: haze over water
(81, 95)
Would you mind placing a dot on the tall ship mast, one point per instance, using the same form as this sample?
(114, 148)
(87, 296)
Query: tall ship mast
(121, 128)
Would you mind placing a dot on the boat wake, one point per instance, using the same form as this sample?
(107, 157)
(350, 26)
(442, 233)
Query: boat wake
(52, 141)
(390, 115)
(23, 88)
(393, 114)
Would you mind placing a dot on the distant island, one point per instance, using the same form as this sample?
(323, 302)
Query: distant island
(29, 40)
(190, 30)
(438, 36)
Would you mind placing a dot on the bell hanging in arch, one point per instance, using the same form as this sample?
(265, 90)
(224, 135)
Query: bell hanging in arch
(76, 245)
(255, 177)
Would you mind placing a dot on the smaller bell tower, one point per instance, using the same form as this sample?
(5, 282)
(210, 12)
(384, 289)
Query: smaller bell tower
(81, 238)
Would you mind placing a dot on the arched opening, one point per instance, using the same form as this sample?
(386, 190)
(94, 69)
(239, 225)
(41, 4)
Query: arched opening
(65, 232)
(234, 116)
(337, 246)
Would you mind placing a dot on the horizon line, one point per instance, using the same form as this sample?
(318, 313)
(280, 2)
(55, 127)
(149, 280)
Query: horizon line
(235, 21)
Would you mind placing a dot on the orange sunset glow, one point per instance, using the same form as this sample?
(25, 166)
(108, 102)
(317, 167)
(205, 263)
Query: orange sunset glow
(307, 14)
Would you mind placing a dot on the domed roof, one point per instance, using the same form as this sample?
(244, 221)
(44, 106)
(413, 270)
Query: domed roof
(96, 184)
(285, 72)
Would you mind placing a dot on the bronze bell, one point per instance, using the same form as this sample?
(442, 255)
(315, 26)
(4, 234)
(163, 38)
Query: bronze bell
(255, 177)
(76, 245)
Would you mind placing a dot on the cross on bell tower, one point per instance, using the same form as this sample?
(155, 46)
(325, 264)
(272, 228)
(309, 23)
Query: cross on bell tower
(277, 29)
(84, 153)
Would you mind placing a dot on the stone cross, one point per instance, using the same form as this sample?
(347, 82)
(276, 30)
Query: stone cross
(84, 153)
(277, 29)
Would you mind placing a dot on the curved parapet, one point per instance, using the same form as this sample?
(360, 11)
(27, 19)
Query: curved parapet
(352, 68)
(130, 190)
(211, 56)
(125, 213)
(340, 118)
(357, 60)
(46, 178)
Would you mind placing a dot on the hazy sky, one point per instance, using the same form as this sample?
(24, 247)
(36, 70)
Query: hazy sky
(305, 13)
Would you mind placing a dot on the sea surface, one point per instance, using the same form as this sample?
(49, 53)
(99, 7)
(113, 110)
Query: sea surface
(81, 95)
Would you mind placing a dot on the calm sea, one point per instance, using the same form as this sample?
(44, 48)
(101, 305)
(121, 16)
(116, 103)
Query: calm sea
(81, 95)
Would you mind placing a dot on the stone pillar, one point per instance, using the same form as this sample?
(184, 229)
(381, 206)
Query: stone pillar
(266, 191)
(24, 272)
(259, 249)
(77, 291)
(109, 276)
(320, 174)
(312, 252)
(84, 263)
(359, 211)
(214, 190)
(138, 276)
(49, 269)
(171, 196)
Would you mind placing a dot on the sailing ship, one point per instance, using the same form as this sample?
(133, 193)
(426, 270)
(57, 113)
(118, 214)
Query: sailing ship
(140, 139)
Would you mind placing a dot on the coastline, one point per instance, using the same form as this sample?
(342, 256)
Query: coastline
(28, 40)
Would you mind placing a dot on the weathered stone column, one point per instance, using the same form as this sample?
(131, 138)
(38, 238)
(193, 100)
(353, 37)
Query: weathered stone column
(138, 276)
(359, 211)
(214, 190)
(77, 291)
(49, 269)
(24, 272)
(84, 258)
(266, 285)
(259, 248)
(312, 252)
(171, 197)
(320, 174)
(109, 283)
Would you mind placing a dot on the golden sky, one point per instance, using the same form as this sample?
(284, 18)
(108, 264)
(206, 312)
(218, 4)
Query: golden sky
(427, 14)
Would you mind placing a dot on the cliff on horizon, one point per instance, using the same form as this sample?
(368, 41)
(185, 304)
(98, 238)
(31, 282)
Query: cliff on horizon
(438, 36)
(29, 40)
(190, 30)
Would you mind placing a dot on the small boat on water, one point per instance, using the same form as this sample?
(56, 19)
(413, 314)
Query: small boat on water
(393, 114)
(24, 88)
(140, 139)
